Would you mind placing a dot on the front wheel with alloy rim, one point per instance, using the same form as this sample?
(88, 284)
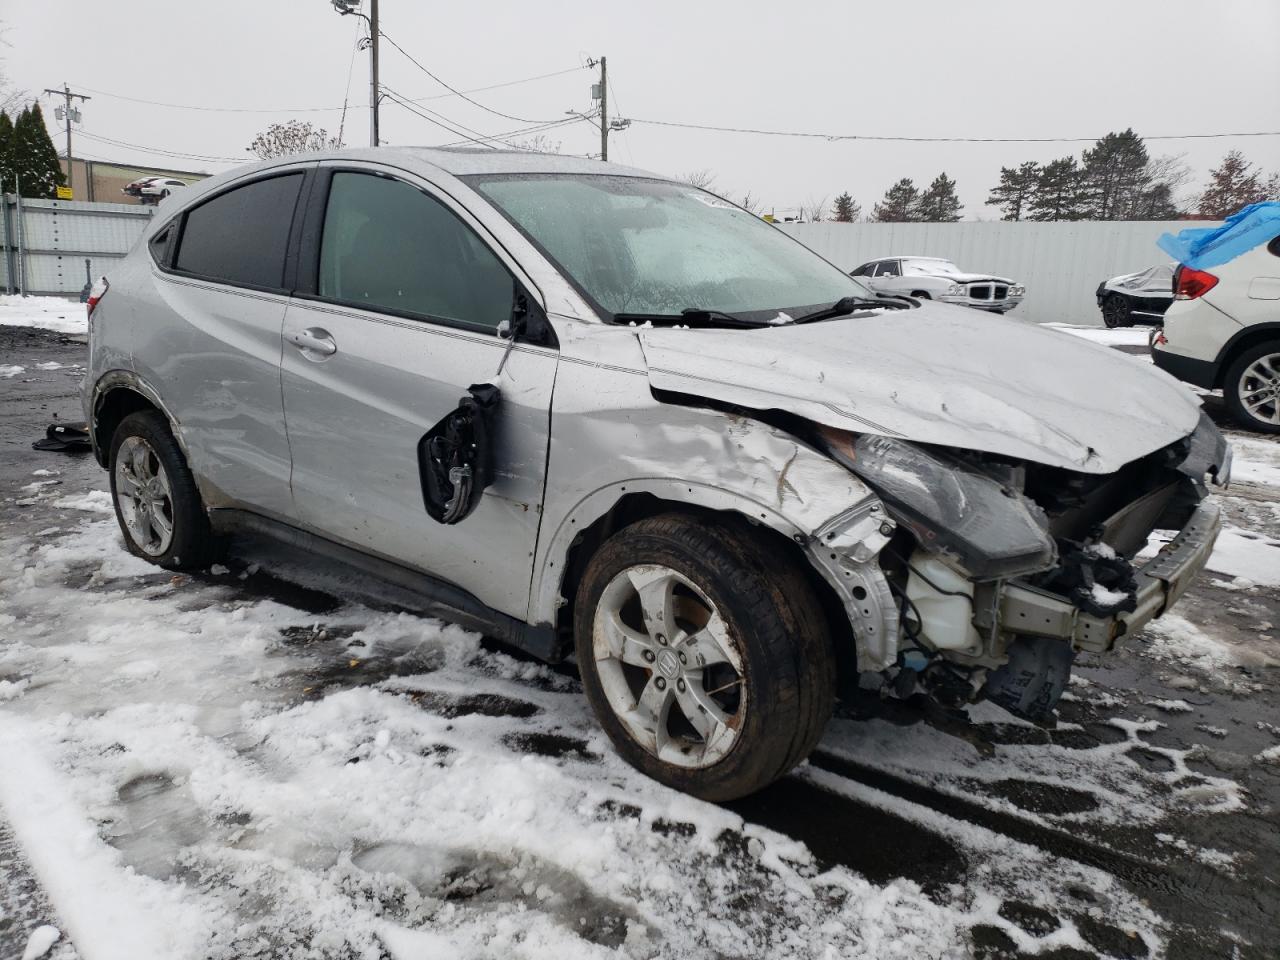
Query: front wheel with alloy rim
(155, 496)
(1251, 388)
(706, 658)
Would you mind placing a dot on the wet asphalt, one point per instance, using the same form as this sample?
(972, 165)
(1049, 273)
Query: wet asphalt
(1211, 912)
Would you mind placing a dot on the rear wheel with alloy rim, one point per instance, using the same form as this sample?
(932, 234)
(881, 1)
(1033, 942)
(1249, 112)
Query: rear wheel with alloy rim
(1115, 311)
(156, 500)
(707, 662)
(1251, 388)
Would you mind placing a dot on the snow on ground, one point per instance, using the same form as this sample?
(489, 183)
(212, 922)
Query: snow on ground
(196, 771)
(48, 313)
(1255, 461)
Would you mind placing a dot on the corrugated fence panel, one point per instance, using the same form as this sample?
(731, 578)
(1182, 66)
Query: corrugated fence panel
(59, 236)
(1061, 264)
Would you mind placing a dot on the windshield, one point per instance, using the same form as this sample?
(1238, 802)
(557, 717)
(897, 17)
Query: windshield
(636, 246)
(931, 267)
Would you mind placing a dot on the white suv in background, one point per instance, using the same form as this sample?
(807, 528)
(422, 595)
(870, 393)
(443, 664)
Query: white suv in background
(1223, 331)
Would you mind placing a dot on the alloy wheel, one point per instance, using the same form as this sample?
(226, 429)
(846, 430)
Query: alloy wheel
(1259, 389)
(145, 496)
(669, 669)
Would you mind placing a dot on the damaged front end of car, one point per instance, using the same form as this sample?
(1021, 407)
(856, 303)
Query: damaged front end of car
(979, 576)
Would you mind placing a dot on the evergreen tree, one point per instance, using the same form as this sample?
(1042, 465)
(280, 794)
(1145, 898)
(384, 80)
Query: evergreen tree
(939, 203)
(6, 153)
(898, 204)
(1014, 191)
(1232, 185)
(1115, 176)
(1060, 193)
(847, 209)
(34, 158)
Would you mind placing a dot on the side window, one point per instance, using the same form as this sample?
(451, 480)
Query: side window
(388, 246)
(159, 245)
(241, 236)
(863, 271)
(888, 268)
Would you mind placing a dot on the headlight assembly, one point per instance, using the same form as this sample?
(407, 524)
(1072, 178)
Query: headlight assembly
(992, 531)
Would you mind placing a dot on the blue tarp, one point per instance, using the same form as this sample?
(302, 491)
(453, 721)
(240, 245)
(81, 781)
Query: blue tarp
(1206, 247)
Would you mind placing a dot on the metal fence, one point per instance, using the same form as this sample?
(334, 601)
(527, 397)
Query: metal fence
(50, 247)
(1061, 264)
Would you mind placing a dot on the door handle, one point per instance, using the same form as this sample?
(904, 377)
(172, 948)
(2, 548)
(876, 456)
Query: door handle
(314, 340)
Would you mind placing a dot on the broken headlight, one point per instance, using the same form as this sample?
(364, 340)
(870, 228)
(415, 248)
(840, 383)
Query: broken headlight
(990, 529)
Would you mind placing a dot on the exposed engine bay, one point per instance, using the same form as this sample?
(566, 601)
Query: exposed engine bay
(1001, 570)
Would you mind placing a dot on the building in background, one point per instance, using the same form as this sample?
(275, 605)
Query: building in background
(103, 181)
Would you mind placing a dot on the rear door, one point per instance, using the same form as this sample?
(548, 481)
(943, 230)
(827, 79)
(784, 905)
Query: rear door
(209, 338)
(401, 295)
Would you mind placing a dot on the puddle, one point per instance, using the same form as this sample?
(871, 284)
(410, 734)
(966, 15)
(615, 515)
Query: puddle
(160, 818)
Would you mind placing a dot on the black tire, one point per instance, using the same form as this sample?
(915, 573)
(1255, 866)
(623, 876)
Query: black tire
(192, 545)
(920, 295)
(1231, 387)
(789, 666)
(1115, 311)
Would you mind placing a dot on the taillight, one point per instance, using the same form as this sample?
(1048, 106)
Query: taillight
(96, 293)
(1189, 283)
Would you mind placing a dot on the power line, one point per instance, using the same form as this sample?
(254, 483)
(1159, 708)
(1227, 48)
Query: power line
(395, 98)
(161, 152)
(416, 63)
(437, 96)
(857, 136)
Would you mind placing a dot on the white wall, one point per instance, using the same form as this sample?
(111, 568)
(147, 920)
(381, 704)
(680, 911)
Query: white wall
(1061, 264)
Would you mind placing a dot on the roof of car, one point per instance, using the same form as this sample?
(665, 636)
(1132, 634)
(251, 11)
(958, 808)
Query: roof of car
(465, 161)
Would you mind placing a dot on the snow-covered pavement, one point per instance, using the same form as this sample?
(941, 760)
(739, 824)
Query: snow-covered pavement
(261, 760)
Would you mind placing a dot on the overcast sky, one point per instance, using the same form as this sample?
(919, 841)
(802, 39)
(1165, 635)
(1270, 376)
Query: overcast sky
(1001, 68)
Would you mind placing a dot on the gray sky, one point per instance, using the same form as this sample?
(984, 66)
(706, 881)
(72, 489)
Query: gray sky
(1000, 68)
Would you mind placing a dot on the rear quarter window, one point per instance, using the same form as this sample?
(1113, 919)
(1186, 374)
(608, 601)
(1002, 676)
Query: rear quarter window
(241, 236)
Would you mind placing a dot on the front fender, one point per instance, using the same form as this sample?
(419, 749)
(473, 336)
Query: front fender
(724, 462)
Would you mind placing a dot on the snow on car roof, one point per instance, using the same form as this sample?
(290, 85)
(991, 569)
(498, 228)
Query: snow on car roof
(466, 161)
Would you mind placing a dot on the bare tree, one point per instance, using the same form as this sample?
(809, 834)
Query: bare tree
(702, 179)
(751, 203)
(286, 139)
(539, 143)
(11, 98)
(814, 210)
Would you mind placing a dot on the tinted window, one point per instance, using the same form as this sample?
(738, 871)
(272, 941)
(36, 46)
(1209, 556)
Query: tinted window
(159, 245)
(387, 245)
(863, 271)
(241, 236)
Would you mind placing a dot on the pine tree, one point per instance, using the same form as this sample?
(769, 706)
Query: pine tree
(6, 153)
(898, 204)
(847, 209)
(939, 203)
(1232, 185)
(34, 158)
(1060, 193)
(1014, 191)
(1115, 177)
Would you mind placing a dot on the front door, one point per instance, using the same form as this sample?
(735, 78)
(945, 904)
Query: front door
(404, 316)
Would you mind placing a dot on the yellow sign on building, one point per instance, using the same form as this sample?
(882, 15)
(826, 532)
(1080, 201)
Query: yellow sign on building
(64, 193)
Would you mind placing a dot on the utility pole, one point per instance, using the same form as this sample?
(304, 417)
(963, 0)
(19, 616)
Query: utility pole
(352, 7)
(604, 108)
(69, 114)
(373, 73)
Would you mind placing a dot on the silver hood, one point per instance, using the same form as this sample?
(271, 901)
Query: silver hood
(936, 375)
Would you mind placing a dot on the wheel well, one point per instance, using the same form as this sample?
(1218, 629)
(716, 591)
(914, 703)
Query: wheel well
(634, 507)
(921, 293)
(113, 407)
(1247, 341)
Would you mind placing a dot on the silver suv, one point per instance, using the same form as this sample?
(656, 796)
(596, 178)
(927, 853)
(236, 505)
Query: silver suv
(596, 413)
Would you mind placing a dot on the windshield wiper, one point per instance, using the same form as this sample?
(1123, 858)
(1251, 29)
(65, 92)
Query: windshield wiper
(690, 316)
(849, 304)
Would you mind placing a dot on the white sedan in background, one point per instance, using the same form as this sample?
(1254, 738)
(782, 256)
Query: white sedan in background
(932, 278)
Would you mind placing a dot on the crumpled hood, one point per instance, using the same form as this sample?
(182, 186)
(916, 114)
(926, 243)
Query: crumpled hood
(938, 374)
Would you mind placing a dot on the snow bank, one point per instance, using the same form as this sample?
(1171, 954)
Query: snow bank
(46, 313)
(1247, 555)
